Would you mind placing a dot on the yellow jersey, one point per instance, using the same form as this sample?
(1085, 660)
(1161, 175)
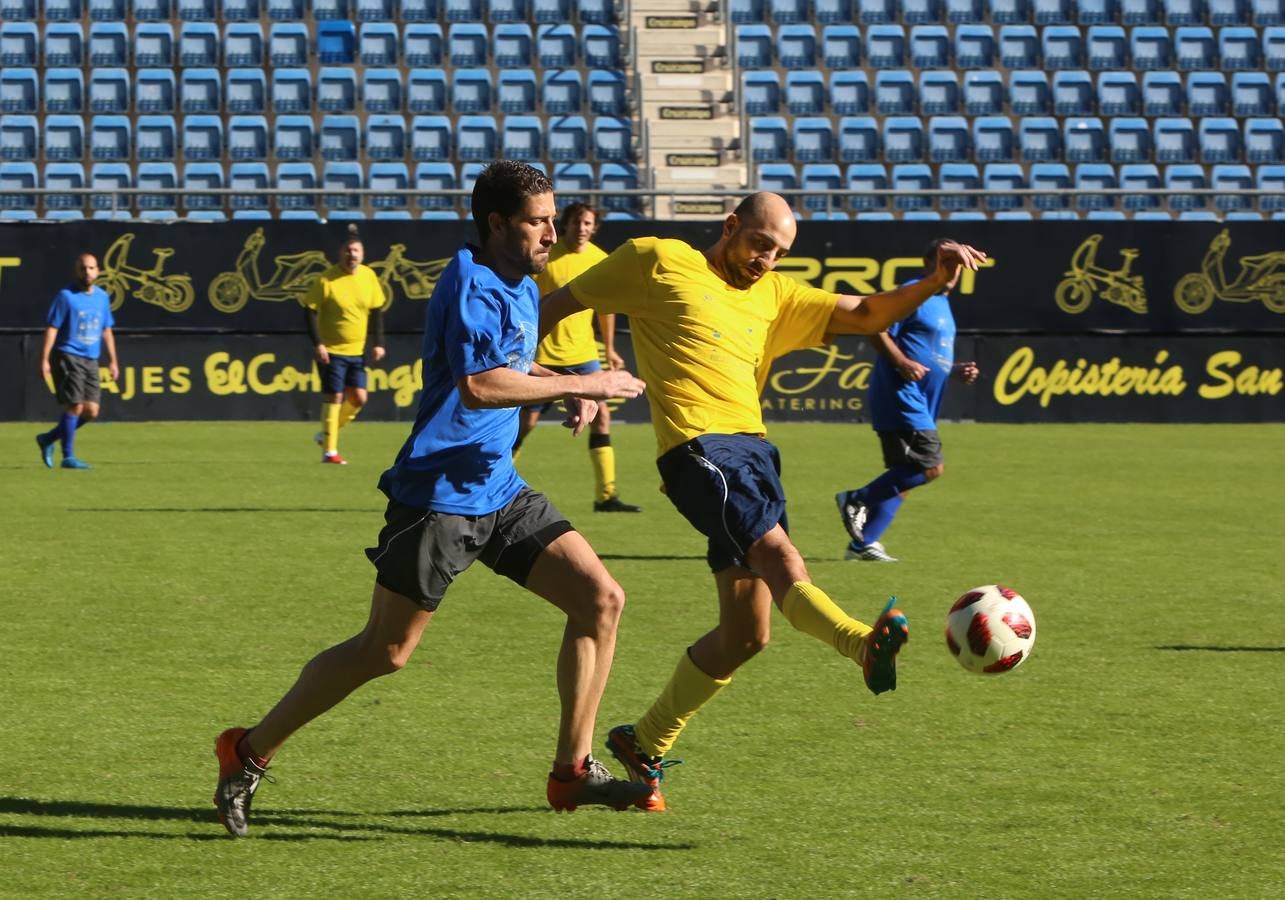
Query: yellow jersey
(343, 303)
(571, 341)
(703, 347)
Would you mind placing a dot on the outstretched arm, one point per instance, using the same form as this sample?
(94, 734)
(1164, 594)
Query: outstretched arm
(503, 387)
(870, 315)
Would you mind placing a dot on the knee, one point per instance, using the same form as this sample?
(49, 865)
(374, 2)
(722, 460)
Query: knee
(609, 603)
(752, 645)
(935, 472)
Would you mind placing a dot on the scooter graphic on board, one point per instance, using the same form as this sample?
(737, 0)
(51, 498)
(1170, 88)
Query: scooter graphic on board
(417, 279)
(170, 292)
(1086, 278)
(1260, 277)
(291, 277)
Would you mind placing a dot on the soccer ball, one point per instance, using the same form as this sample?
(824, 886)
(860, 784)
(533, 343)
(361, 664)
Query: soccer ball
(990, 629)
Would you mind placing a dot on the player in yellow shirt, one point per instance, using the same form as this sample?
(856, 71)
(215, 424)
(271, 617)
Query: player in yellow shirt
(343, 304)
(706, 327)
(570, 348)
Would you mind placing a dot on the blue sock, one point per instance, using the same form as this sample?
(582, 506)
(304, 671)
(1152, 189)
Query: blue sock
(896, 480)
(880, 517)
(66, 431)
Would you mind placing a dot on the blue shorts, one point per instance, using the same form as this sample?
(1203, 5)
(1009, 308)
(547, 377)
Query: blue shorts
(729, 487)
(343, 372)
(587, 368)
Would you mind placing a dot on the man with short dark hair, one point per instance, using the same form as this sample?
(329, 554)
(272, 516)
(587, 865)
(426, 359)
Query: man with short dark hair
(77, 329)
(454, 498)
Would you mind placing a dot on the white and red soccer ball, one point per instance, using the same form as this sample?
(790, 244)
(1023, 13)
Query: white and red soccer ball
(990, 629)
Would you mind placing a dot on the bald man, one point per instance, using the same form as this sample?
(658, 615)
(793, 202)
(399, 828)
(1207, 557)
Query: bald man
(706, 328)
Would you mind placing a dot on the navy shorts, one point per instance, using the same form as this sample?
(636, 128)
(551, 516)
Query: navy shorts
(729, 487)
(343, 372)
(587, 368)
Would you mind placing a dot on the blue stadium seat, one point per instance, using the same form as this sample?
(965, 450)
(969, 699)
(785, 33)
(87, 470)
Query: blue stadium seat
(431, 138)
(521, 137)
(1232, 178)
(1193, 48)
(885, 46)
(1019, 47)
(929, 47)
(471, 91)
(108, 91)
(291, 91)
(618, 177)
(199, 92)
(386, 137)
(863, 178)
(1238, 49)
(1174, 139)
(425, 10)
(288, 44)
(422, 45)
(151, 10)
(63, 177)
(65, 91)
(295, 177)
(570, 178)
(1089, 176)
(253, 178)
(507, 11)
(1274, 48)
(1118, 94)
(760, 93)
(920, 12)
(938, 93)
(568, 139)
(993, 139)
(746, 12)
(64, 138)
(377, 44)
(561, 92)
(340, 138)
(600, 46)
(983, 93)
(154, 44)
(780, 178)
(1271, 178)
(1162, 94)
(1130, 140)
(105, 177)
(813, 139)
(965, 12)
(1207, 94)
(1106, 47)
(247, 138)
(56, 10)
(1251, 94)
(849, 93)
(20, 90)
(158, 176)
(598, 12)
(107, 11)
(198, 44)
(876, 12)
(607, 94)
(754, 47)
(463, 11)
(512, 45)
(516, 91)
(344, 178)
(769, 139)
(155, 138)
(907, 180)
(1063, 47)
(476, 138)
(1107, 214)
(894, 92)
(1054, 177)
(1150, 48)
(557, 47)
(242, 44)
(336, 89)
(804, 93)
(840, 47)
(108, 45)
(1185, 176)
(832, 12)
(1096, 12)
(1184, 12)
(64, 44)
(1029, 93)
(1219, 140)
(1140, 12)
(293, 137)
(1012, 215)
(336, 43)
(109, 138)
(1140, 176)
(1009, 12)
(958, 177)
(1000, 180)
(388, 176)
(1072, 93)
(787, 12)
(974, 47)
(431, 178)
(796, 46)
(858, 138)
(821, 177)
(246, 91)
(1051, 12)
(612, 139)
(948, 139)
(1268, 12)
(202, 137)
(1084, 139)
(375, 11)
(197, 176)
(1039, 139)
(426, 91)
(18, 11)
(287, 10)
(903, 139)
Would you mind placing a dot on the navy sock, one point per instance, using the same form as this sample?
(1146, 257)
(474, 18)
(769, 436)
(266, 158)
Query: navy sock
(896, 480)
(66, 431)
(880, 517)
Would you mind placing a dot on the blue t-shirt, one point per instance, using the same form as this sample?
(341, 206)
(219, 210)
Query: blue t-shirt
(80, 319)
(928, 337)
(459, 460)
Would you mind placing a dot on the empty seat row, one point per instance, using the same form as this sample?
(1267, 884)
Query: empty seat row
(294, 137)
(1037, 138)
(1012, 47)
(553, 12)
(1024, 92)
(1007, 12)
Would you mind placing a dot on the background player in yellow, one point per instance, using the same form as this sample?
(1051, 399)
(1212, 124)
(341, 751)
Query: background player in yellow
(706, 327)
(570, 348)
(343, 304)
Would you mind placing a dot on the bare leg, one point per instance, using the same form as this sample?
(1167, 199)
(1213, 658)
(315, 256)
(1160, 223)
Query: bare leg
(744, 624)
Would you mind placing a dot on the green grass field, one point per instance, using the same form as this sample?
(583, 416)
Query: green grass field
(177, 588)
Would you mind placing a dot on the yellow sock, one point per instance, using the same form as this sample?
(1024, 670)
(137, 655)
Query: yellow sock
(330, 426)
(604, 472)
(808, 609)
(347, 412)
(688, 690)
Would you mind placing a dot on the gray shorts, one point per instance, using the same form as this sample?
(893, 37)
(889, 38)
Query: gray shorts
(421, 551)
(75, 378)
(916, 448)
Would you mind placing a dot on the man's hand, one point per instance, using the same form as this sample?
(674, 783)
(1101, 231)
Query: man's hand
(951, 255)
(114, 370)
(614, 360)
(966, 372)
(911, 370)
(613, 384)
(580, 412)
(377, 353)
(322, 354)
(46, 370)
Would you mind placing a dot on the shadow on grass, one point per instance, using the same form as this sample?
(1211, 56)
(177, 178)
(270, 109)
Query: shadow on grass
(660, 556)
(218, 509)
(1221, 648)
(298, 818)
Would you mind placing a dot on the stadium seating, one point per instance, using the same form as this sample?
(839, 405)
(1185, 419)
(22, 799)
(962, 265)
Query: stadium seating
(65, 92)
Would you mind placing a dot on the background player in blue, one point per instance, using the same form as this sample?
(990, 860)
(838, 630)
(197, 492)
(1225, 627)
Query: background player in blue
(916, 359)
(455, 498)
(78, 328)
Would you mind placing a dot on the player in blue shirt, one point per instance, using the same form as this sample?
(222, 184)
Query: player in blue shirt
(77, 328)
(916, 357)
(454, 498)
